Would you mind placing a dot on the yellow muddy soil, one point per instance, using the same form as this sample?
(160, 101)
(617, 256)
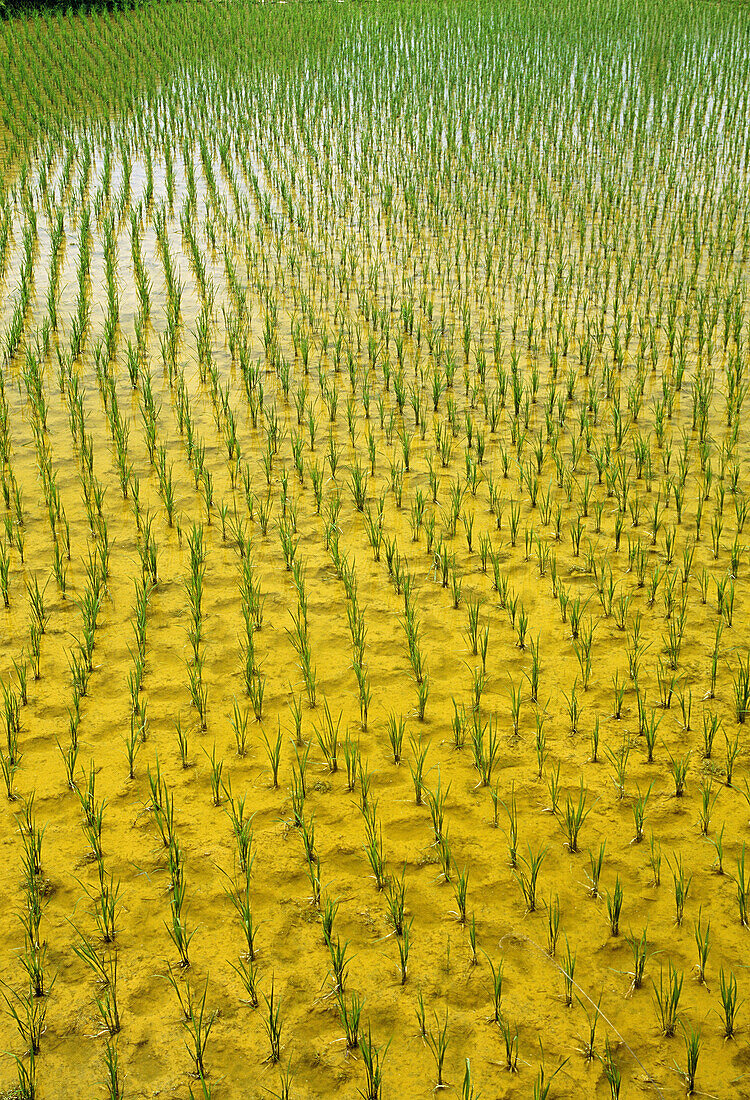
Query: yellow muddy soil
(534, 384)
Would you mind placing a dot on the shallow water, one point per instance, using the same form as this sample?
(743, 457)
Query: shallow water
(522, 202)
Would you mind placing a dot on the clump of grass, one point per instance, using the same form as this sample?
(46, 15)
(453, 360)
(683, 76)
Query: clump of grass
(573, 816)
(403, 944)
(372, 1059)
(639, 812)
(103, 966)
(273, 753)
(614, 906)
(272, 1024)
(460, 887)
(743, 888)
(655, 860)
(349, 1014)
(527, 873)
(692, 1040)
(510, 1041)
(682, 883)
(437, 1040)
(592, 1018)
(511, 809)
(639, 947)
(612, 1073)
(668, 999)
(436, 804)
(198, 1023)
(543, 1080)
(678, 769)
(395, 727)
(497, 987)
(328, 735)
(729, 1002)
(553, 925)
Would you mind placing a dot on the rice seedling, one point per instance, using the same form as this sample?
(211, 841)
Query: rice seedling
(729, 1002)
(639, 812)
(731, 752)
(460, 886)
(273, 753)
(573, 816)
(741, 689)
(742, 889)
(327, 735)
(649, 727)
(639, 947)
(526, 873)
(612, 1073)
(29, 1015)
(436, 804)
(328, 916)
(216, 768)
(372, 1059)
(37, 609)
(614, 906)
(573, 707)
(467, 1085)
(655, 860)
(543, 1081)
(113, 1079)
(540, 744)
(515, 708)
(681, 887)
(553, 786)
(718, 844)
(403, 944)
(553, 925)
(497, 988)
(511, 808)
(273, 1024)
(198, 1024)
(472, 634)
(104, 968)
(702, 941)
(619, 761)
(375, 852)
(437, 1041)
(667, 998)
(510, 1042)
(339, 964)
(678, 769)
(248, 974)
(395, 902)
(595, 741)
(692, 1040)
(588, 1049)
(350, 1014)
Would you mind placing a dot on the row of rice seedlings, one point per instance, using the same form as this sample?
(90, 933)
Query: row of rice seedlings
(194, 590)
(28, 1008)
(100, 953)
(161, 804)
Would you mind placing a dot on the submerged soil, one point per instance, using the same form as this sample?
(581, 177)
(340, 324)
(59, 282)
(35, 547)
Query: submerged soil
(437, 419)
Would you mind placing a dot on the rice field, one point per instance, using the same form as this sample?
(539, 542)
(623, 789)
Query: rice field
(374, 656)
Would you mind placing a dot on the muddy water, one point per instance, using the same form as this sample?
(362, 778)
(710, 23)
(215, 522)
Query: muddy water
(357, 287)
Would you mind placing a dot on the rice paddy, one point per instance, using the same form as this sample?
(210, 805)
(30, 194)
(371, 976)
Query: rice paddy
(374, 656)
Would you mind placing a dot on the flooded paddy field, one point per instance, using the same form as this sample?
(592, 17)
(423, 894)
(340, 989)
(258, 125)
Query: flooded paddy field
(374, 550)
